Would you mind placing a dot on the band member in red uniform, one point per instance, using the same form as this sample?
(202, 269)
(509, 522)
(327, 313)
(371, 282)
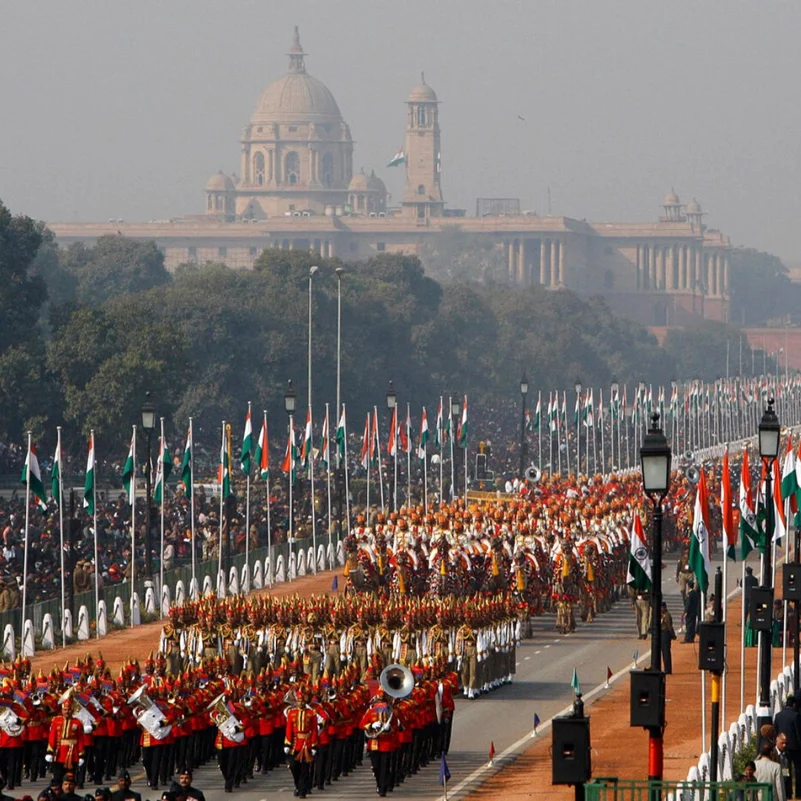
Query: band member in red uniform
(380, 728)
(300, 741)
(65, 741)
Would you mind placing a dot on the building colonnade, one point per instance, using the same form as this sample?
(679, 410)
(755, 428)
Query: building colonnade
(536, 261)
(682, 268)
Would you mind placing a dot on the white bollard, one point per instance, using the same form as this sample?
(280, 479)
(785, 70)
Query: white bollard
(136, 612)
(320, 558)
(269, 572)
(208, 587)
(310, 560)
(233, 582)
(329, 553)
(194, 590)
(280, 570)
(150, 600)
(245, 582)
(83, 623)
(48, 632)
(221, 584)
(293, 566)
(28, 642)
(180, 593)
(340, 554)
(102, 619)
(166, 601)
(117, 612)
(301, 563)
(67, 623)
(9, 643)
(258, 576)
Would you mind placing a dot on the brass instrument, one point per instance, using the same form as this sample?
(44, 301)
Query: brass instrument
(396, 681)
(79, 711)
(10, 722)
(148, 715)
(533, 474)
(229, 724)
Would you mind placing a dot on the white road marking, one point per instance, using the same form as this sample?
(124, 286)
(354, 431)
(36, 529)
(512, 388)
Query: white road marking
(537, 652)
(525, 659)
(547, 646)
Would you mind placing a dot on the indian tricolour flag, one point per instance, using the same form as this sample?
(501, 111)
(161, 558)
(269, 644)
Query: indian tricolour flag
(32, 476)
(55, 473)
(247, 445)
(398, 159)
(537, 412)
(306, 448)
(365, 457)
(727, 518)
(439, 438)
(421, 448)
(639, 573)
(341, 434)
(779, 518)
(89, 483)
(462, 434)
(789, 483)
(699, 542)
(186, 464)
(749, 531)
(263, 451)
(325, 445)
(224, 471)
(129, 468)
(392, 447)
(163, 470)
(290, 456)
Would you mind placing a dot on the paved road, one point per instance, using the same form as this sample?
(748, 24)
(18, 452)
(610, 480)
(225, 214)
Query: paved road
(542, 685)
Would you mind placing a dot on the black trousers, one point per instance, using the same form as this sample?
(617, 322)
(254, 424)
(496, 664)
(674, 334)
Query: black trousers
(229, 760)
(302, 774)
(154, 760)
(381, 762)
(11, 763)
(667, 657)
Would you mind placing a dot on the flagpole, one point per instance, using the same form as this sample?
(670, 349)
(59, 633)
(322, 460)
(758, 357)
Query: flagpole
(559, 438)
(61, 535)
(291, 482)
(440, 434)
(742, 640)
(464, 428)
(539, 431)
(378, 454)
(222, 507)
(25, 556)
(425, 483)
(132, 501)
(450, 430)
(347, 483)
(408, 459)
(369, 467)
(192, 496)
(331, 526)
(269, 577)
(394, 422)
(247, 507)
(161, 515)
(94, 524)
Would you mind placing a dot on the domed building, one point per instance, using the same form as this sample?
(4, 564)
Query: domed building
(367, 195)
(297, 150)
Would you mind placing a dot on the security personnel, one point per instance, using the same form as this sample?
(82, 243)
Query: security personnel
(684, 573)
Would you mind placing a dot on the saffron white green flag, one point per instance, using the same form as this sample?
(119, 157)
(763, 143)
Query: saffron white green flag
(186, 465)
(789, 483)
(163, 470)
(439, 434)
(325, 445)
(32, 476)
(247, 445)
(749, 531)
(421, 450)
(700, 562)
(55, 475)
(89, 483)
(398, 159)
(639, 573)
(129, 469)
(262, 451)
(341, 434)
(306, 448)
(463, 425)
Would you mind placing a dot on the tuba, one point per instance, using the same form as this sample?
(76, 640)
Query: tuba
(79, 711)
(533, 474)
(229, 724)
(396, 681)
(148, 715)
(10, 722)
(692, 474)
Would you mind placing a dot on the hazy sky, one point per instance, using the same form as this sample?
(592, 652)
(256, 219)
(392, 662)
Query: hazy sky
(125, 109)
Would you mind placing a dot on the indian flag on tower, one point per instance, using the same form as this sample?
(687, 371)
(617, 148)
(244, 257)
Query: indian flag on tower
(32, 476)
(699, 542)
(398, 159)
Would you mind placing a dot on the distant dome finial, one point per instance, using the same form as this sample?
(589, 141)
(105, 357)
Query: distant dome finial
(422, 77)
(296, 54)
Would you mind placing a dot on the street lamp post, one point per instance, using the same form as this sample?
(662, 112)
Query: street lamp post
(456, 410)
(523, 443)
(769, 436)
(655, 457)
(392, 403)
(290, 401)
(148, 424)
(578, 427)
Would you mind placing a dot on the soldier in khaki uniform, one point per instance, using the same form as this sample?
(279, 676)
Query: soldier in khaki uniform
(684, 573)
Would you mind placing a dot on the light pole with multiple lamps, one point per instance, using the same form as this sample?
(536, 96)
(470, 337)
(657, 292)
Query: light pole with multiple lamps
(148, 424)
(523, 444)
(655, 458)
(769, 437)
(290, 402)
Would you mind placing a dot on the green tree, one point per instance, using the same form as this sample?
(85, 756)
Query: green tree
(700, 351)
(116, 266)
(761, 290)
